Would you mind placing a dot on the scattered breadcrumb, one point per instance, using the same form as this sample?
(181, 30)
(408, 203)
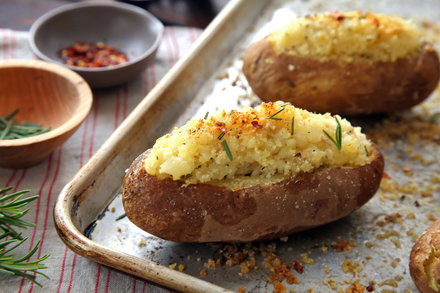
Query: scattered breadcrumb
(343, 245)
(241, 290)
(306, 259)
(142, 243)
(355, 287)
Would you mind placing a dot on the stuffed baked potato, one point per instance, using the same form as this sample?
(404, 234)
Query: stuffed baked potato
(249, 175)
(344, 63)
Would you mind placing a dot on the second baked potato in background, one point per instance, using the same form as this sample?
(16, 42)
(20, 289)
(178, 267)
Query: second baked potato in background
(344, 63)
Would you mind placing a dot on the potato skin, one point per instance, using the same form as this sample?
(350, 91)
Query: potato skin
(208, 213)
(426, 251)
(340, 87)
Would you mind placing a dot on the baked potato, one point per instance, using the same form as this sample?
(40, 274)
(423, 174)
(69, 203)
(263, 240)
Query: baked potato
(344, 63)
(425, 260)
(254, 174)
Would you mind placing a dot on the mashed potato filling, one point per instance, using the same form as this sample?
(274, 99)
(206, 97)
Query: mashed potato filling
(350, 36)
(261, 145)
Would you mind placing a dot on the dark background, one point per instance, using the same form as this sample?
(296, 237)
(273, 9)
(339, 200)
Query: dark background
(20, 14)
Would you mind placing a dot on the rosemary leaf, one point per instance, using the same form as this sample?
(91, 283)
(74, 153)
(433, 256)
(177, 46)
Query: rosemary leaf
(121, 217)
(11, 115)
(227, 150)
(276, 113)
(366, 151)
(6, 131)
(221, 135)
(337, 140)
(11, 129)
(292, 126)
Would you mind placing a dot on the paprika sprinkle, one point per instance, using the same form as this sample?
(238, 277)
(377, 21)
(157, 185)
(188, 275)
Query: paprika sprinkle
(92, 55)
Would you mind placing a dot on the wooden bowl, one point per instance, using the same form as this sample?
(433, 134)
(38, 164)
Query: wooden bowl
(46, 94)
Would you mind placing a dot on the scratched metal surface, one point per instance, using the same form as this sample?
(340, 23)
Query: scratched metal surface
(383, 243)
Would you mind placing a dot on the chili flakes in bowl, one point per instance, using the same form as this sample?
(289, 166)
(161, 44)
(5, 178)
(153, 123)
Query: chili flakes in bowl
(98, 54)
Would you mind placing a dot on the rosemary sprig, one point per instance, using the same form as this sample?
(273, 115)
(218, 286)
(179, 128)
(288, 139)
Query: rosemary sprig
(10, 215)
(337, 140)
(227, 150)
(20, 266)
(11, 129)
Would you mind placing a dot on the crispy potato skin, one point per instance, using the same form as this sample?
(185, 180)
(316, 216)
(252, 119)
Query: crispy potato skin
(208, 213)
(340, 87)
(426, 252)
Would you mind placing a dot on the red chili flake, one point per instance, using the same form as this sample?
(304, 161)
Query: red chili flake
(255, 123)
(370, 288)
(92, 55)
(386, 176)
(339, 16)
(393, 217)
(376, 21)
(298, 266)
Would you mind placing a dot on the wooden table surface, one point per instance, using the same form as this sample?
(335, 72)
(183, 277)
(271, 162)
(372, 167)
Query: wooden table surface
(20, 14)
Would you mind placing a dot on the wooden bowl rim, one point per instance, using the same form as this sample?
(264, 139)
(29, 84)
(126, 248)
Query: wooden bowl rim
(84, 105)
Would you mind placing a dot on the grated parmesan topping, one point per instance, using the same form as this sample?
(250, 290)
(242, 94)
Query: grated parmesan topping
(348, 37)
(262, 146)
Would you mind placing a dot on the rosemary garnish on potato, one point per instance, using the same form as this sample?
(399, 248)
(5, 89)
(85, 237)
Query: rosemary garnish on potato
(221, 135)
(366, 151)
(292, 126)
(10, 215)
(227, 150)
(337, 140)
(276, 113)
(11, 129)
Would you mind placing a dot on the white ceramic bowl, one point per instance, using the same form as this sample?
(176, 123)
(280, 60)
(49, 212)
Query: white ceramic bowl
(128, 28)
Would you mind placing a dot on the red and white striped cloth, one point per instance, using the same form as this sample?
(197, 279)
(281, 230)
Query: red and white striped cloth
(67, 271)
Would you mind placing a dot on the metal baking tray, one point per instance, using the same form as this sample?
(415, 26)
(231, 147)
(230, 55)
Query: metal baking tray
(208, 78)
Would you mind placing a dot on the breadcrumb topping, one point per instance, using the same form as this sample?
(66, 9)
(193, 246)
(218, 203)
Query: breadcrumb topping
(348, 37)
(261, 145)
